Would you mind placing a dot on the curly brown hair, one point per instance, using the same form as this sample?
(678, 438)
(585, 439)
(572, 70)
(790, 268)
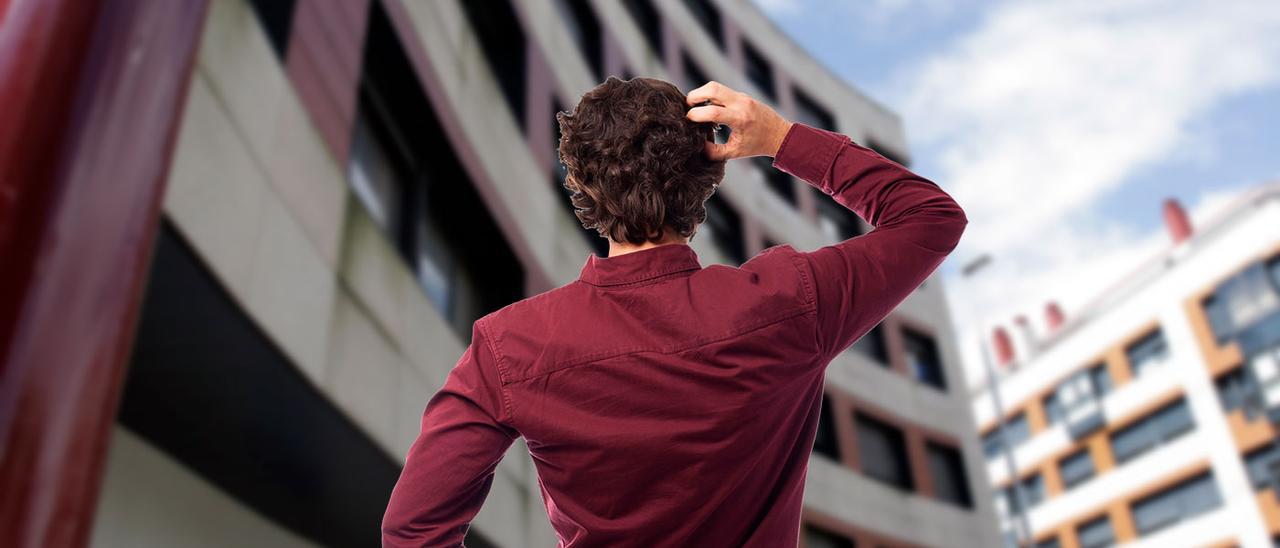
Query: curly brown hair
(635, 163)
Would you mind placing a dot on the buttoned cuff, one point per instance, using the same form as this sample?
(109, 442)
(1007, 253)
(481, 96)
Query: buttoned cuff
(808, 153)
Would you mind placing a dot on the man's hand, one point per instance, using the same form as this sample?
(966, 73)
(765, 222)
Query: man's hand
(757, 130)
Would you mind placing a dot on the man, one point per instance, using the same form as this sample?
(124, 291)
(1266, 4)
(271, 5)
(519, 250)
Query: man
(664, 403)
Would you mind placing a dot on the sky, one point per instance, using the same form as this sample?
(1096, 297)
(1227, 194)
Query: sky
(1061, 127)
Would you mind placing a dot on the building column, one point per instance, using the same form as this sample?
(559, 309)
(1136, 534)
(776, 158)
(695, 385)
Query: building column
(94, 93)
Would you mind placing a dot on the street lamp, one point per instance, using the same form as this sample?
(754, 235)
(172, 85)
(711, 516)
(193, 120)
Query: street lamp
(1022, 525)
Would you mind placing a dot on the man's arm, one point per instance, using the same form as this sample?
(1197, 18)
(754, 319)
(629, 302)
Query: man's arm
(861, 280)
(465, 432)
(857, 282)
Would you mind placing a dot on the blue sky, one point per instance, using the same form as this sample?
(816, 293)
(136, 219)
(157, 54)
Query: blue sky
(1061, 126)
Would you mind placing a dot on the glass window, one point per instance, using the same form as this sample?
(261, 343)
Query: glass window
(583, 25)
(872, 345)
(1017, 430)
(1096, 533)
(1101, 379)
(1182, 501)
(1053, 411)
(1273, 270)
(376, 180)
(836, 222)
(276, 17)
(817, 537)
(1249, 296)
(709, 17)
(1051, 542)
(503, 43)
(922, 358)
(1232, 390)
(779, 181)
(882, 452)
(950, 482)
(759, 71)
(647, 19)
(1033, 490)
(1262, 464)
(1215, 309)
(808, 112)
(991, 443)
(1161, 426)
(726, 229)
(1076, 468)
(826, 442)
(1148, 352)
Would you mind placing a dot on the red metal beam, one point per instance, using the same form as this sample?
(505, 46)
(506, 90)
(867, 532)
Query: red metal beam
(93, 93)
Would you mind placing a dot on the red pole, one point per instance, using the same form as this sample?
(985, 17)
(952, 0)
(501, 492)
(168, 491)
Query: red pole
(93, 93)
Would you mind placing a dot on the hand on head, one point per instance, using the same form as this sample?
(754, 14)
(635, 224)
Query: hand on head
(758, 130)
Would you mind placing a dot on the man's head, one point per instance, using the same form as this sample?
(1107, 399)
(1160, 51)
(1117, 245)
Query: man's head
(636, 163)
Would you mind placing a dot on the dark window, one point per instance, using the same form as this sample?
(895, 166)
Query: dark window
(884, 150)
(1273, 269)
(1076, 468)
(1101, 379)
(405, 172)
(1033, 490)
(709, 17)
(726, 229)
(950, 482)
(1250, 296)
(777, 179)
(759, 71)
(1017, 429)
(1215, 309)
(872, 345)
(1148, 352)
(882, 452)
(808, 112)
(599, 244)
(583, 25)
(992, 443)
(1233, 390)
(817, 537)
(1051, 542)
(649, 22)
(923, 359)
(1096, 533)
(1187, 499)
(502, 39)
(1262, 464)
(826, 442)
(1163, 425)
(693, 76)
(836, 222)
(1053, 412)
(276, 17)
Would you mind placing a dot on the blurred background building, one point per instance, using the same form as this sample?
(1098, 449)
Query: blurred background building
(1148, 417)
(352, 183)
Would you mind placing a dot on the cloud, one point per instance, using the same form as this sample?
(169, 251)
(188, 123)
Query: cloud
(1043, 110)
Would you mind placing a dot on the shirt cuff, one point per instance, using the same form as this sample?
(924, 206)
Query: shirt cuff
(808, 152)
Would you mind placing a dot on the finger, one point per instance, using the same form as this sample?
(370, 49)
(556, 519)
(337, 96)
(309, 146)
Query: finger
(709, 113)
(717, 151)
(713, 91)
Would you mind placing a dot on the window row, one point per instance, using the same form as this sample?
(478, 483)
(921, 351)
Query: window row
(1152, 513)
(1076, 402)
(883, 454)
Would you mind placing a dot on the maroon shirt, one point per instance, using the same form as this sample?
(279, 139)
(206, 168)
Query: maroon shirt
(669, 404)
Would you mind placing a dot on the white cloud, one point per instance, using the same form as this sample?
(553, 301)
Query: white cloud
(1043, 109)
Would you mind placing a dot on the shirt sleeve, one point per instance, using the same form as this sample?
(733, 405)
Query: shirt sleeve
(859, 281)
(465, 431)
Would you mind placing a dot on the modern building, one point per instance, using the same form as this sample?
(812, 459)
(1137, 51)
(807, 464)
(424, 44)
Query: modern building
(349, 185)
(1146, 418)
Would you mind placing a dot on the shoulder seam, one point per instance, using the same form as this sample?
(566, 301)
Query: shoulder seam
(503, 374)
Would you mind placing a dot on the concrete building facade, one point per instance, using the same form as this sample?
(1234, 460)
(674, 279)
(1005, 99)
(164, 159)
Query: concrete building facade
(1132, 421)
(354, 182)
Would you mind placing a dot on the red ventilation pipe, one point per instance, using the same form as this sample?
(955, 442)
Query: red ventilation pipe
(1053, 315)
(1176, 220)
(1003, 346)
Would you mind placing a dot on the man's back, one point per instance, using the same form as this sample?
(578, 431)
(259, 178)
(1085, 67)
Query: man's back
(665, 403)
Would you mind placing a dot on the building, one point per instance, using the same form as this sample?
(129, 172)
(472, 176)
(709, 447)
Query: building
(1138, 420)
(346, 187)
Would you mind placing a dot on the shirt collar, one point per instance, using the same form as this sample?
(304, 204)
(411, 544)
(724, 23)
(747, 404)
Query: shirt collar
(637, 266)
